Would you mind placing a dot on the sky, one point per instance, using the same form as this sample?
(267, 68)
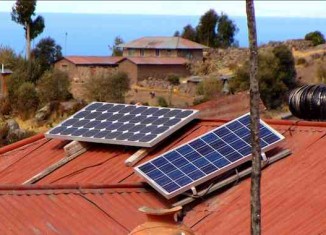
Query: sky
(314, 9)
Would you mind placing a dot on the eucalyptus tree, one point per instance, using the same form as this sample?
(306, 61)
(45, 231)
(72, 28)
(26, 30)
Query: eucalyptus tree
(22, 13)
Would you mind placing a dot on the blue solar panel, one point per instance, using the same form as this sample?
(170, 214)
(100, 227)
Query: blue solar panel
(122, 124)
(205, 157)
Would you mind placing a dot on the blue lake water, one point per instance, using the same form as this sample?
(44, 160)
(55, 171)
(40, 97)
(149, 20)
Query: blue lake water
(91, 34)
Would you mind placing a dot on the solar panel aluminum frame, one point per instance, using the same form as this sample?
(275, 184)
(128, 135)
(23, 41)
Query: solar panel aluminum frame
(212, 175)
(152, 143)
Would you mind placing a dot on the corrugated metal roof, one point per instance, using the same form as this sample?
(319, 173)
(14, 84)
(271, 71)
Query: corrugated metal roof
(163, 43)
(6, 71)
(94, 60)
(158, 60)
(73, 211)
(293, 189)
(227, 106)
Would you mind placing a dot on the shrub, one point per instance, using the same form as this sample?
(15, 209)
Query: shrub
(276, 74)
(301, 61)
(315, 37)
(108, 87)
(161, 101)
(173, 80)
(321, 74)
(209, 87)
(5, 106)
(53, 86)
(27, 100)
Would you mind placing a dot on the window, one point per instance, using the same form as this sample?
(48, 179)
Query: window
(157, 52)
(169, 52)
(131, 52)
(64, 67)
(142, 52)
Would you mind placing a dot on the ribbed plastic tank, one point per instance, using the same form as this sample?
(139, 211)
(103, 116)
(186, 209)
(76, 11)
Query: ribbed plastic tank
(309, 102)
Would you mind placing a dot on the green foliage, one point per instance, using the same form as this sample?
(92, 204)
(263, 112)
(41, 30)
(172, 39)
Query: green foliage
(315, 37)
(53, 86)
(116, 51)
(321, 74)
(108, 87)
(226, 30)
(47, 52)
(27, 100)
(176, 34)
(209, 87)
(206, 28)
(276, 74)
(161, 101)
(213, 30)
(8, 57)
(189, 33)
(22, 13)
(174, 80)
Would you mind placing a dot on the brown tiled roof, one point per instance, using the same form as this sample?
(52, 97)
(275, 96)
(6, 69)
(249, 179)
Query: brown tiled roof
(94, 60)
(98, 185)
(163, 43)
(157, 60)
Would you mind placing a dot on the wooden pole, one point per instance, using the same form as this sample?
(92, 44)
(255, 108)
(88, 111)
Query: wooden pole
(254, 125)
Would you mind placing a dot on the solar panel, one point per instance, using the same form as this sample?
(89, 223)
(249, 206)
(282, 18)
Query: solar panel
(205, 157)
(122, 124)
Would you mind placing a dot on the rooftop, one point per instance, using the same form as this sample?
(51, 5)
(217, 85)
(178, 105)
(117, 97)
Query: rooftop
(163, 43)
(99, 184)
(94, 60)
(157, 60)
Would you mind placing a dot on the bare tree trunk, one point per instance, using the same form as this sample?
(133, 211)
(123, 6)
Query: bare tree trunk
(28, 41)
(254, 126)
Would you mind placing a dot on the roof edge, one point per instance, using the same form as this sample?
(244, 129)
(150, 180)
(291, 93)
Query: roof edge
(38, 188)
(21, 143)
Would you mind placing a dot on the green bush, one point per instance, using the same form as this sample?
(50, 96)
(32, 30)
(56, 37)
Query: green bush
(174, 80)
(27, 100)
(276, 74)
(209, 87)
(161, 101)
(53, 86)
(315, 37)
(108, 87)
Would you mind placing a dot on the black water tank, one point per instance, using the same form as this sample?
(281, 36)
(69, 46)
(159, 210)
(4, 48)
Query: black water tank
(309, 102)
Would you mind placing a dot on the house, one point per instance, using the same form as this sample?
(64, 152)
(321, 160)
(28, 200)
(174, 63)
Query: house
(82, 68)
(159, 56)
(96, 193)
(4, 76)
(141, 68)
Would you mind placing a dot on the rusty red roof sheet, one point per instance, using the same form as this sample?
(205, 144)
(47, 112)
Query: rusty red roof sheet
(163, 43)
(94, 60)
(292, 189)
(158, 60)
(227, 106)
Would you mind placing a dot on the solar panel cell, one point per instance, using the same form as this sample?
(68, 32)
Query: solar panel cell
(183, 181)
(171, 187)
(195, 175)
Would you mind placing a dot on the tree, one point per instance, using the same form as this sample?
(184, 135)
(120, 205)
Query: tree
(53, 86)
(174, 80)
(315, 37)
(47, 52)
(8, 57)
(22, 13)
(226, 30)
(117, 51)
(176, 34)
(276, 74)
(254, 121)
(206, 28)
(189, 33)
(27, 100)
(108, 87)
